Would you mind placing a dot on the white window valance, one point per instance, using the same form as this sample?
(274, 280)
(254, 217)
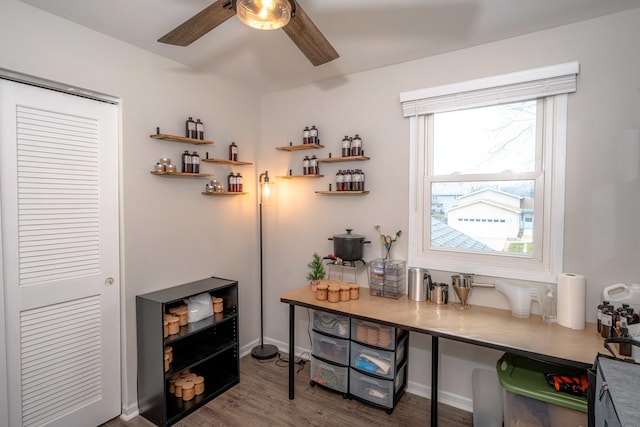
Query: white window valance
(519, 86)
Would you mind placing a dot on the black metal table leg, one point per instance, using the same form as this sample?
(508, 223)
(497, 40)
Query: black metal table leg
(435, 353)
(292, 356)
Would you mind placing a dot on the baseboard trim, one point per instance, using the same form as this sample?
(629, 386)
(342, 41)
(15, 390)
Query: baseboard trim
(130, 411)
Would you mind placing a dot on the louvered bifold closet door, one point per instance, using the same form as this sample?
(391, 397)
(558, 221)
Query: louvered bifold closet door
(58, 206)
(61, 259)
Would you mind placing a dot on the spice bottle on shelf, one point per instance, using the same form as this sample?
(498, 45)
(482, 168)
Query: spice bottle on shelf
(348, 177)
(239, 182)
(186, 162)
(339, 181)
(346, 146)
(233, 152)
(313, 135)
(356, 146)
(305, 135)
(199, 129)
(306, 163)
(190, 128)
(195, 162)
(356, 180)
(313, 166)
(231, 182)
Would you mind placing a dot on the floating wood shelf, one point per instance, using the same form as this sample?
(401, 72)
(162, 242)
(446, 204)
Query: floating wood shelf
(223, 193)
(299, 176)
(182, 139)
(299, 147)
(183, 174)
(342, 193)
(226, 162)
(343, 159)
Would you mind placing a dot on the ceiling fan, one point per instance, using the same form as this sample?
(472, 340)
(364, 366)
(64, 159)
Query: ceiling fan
(297, 24)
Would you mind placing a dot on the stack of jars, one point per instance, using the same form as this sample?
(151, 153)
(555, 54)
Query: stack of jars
(350, 180)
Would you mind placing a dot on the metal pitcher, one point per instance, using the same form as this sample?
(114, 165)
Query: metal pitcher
(439, 293)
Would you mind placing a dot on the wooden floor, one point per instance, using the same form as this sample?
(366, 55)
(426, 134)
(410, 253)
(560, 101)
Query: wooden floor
(261, 399)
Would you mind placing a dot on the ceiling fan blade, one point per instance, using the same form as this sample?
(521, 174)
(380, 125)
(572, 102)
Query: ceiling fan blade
(199, 25)
(304, 33)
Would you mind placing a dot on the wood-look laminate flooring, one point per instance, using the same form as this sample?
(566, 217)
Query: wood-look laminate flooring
(261, 399)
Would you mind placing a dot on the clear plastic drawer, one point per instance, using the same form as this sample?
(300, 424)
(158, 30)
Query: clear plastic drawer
(330, 323)
(371, 389)
(373, 334)
(375, 361)
(330, 376)
(330, 348)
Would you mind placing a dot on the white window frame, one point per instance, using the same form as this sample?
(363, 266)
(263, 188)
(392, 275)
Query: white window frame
(552, 85)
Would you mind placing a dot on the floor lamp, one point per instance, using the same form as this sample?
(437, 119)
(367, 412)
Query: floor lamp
(263, 351)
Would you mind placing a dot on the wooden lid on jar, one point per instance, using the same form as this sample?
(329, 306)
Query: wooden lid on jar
(345, 287)
(198, 380)
(187, 384)
(182, 311)
(172, 319)
(168, 349)
(334, 288)
(214, 299)
(354, 286)
(323, 286)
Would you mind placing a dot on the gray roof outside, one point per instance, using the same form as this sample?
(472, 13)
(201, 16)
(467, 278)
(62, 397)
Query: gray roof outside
(444, 236)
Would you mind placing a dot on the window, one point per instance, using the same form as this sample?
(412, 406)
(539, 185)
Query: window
(487, 174)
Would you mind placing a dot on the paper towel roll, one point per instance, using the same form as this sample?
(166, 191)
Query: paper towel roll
(572, 299)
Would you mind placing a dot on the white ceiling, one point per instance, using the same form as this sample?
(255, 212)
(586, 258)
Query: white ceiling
(366, 33)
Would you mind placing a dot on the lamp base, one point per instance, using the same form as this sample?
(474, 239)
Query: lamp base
(264, 351)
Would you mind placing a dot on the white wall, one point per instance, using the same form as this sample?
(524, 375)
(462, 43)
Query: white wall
(172, 234)
(602, 174)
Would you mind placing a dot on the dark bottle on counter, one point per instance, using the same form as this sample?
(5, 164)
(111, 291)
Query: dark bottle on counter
(356, 146)
(190, 128)
(233, 152)
(195, 162)
(599, 314)
(231, 182)
(186, 162)
(313, 135)
(199, 129)
(306, 165)
(313, 166)
(239, 185)
(607, 321)
(339, 180)
(348, 179)
(346, 146)
(305, 135)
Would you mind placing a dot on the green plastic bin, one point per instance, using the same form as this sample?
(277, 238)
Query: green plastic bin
(528, 401)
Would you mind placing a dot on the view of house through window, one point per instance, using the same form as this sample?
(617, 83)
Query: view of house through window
(483, 170)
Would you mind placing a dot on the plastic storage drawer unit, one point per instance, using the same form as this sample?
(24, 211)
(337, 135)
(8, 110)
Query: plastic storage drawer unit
(332, 324)
(376, 361)
(330, 348)
(529, 401)
(329, 375)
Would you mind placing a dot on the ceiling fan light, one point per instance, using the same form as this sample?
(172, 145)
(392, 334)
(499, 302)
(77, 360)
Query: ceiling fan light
(264, 14)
